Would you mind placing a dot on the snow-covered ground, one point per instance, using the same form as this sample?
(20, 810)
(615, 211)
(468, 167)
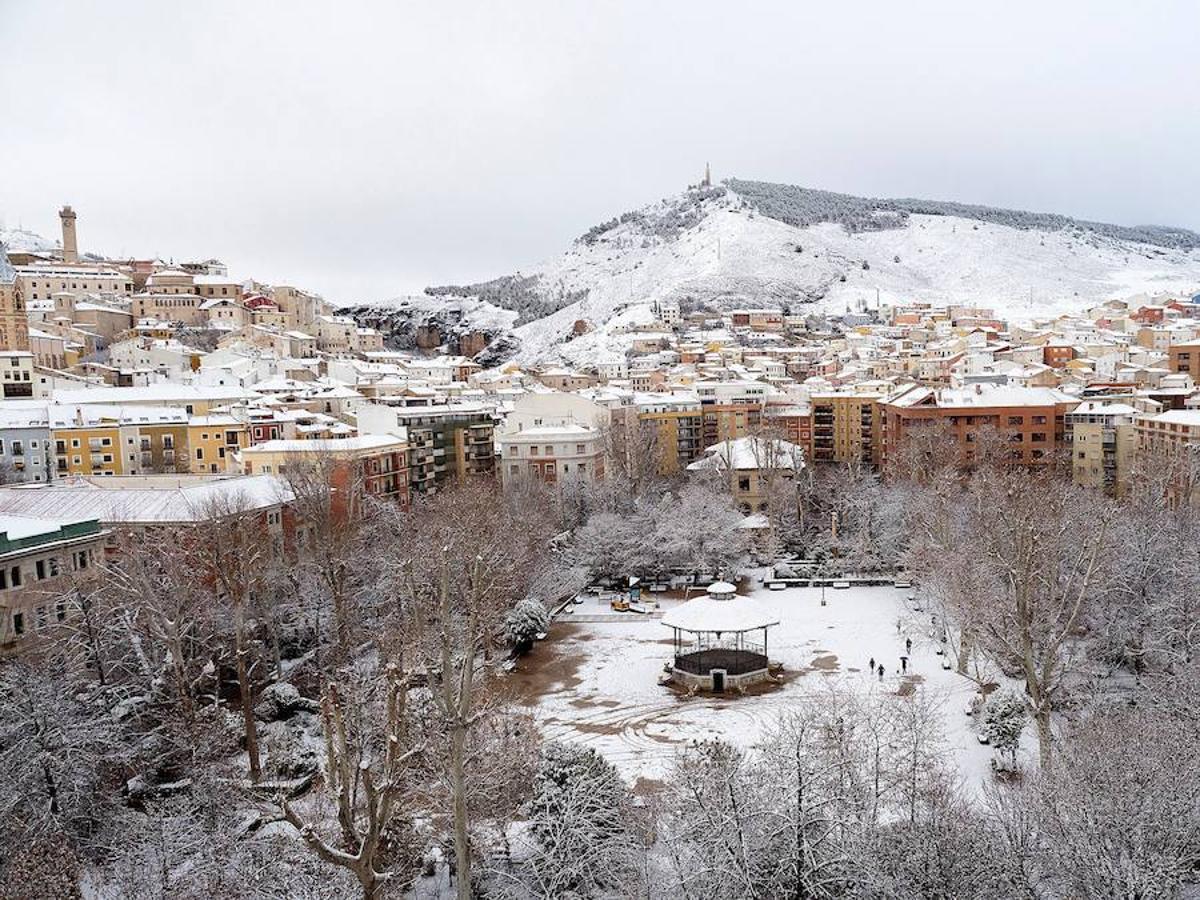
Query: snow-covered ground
(597, 681)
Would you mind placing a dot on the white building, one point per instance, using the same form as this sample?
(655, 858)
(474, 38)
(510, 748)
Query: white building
(552, 453)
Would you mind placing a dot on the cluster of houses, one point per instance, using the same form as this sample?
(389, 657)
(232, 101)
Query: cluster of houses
(110, 420)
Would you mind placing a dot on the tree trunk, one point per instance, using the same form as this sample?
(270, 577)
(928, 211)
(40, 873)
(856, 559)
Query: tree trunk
(458, 787)
(1042, 718)
(247, 695)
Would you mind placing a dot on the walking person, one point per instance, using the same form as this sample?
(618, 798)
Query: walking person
(908, 646)
(871, 665)
(903, 665)
(881, 671)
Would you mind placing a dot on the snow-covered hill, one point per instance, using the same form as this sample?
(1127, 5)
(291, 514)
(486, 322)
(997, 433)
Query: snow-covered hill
(759, 244)
(21, 240)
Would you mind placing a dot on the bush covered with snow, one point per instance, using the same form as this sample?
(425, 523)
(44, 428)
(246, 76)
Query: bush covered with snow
(1003, 721)
(524, 623)
(578, 817)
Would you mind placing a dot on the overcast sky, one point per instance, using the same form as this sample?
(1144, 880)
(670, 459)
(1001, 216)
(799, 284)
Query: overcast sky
(366, 150)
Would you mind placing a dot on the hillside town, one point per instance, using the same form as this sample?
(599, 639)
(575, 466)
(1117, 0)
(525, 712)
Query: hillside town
(253, 540)
(139, 368)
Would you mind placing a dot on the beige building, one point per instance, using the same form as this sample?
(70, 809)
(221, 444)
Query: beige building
(1103, 445)
(341, 334)
(749, 465)
(41, 281)
(38, 560)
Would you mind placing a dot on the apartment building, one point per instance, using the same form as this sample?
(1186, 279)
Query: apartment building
(1185, 357)
(38, 560)
(371, 464)
(795, 423)
(847, 426)
(26, 451)
(1170, 442)
(1031, 420)
(552, 454)
(17, 381)
(673, 423)
(100, 440)
(1103, 445)
(448, 441)
(213, 442)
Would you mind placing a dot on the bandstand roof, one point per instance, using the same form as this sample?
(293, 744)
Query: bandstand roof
(707, 613)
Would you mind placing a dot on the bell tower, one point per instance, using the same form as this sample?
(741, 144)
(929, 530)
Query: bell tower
(70, 250)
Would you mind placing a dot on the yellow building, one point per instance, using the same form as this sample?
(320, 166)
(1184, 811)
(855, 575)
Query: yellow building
(213, 441)
(672, 423)
(847, 426)
(97, 440)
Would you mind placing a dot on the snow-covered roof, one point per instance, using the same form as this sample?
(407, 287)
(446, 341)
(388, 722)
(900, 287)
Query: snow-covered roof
(141, 499)
(750, 453)
(338, 445)
(712, 613)
(1189, 417)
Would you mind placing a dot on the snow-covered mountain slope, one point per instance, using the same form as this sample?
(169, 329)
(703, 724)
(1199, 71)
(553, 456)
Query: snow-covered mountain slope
(758, 244)
(21, 240)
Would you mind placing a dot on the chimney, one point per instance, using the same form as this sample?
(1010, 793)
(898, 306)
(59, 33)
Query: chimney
(70, 250)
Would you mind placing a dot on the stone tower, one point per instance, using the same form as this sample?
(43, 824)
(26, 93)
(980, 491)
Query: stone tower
(70, 251)
(707, 182)
(14, 326)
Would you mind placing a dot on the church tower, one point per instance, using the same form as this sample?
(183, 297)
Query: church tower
(14, 326)
(70, 251)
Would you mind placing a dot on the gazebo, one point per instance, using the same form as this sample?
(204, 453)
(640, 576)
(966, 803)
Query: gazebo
(718, 644)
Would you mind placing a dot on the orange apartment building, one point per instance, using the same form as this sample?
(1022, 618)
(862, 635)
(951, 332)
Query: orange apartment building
(1032, 419)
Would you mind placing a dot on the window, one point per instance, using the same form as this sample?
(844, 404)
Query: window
(168, 442)
(199, 453)
(1016, 420)
(14, 576)
(1038, 437)
(18, 623)
(533, 450)
(17, 449)
(514, 469)
(579, 448)
(41, 569)
(1039, 420)
(743, 484)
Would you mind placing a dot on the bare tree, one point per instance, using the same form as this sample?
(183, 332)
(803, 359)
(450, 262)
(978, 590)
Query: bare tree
(463, 561)
(328, 502)
(228, 551)
(368, 778)
(1037, 543)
